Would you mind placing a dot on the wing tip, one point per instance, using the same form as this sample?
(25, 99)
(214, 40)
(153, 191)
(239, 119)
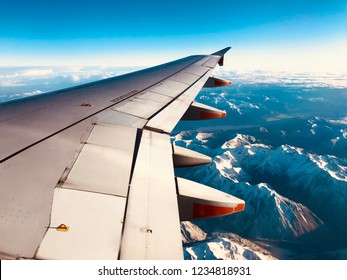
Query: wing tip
(221, 52)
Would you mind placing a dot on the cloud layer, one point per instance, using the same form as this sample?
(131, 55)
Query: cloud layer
(17, 82)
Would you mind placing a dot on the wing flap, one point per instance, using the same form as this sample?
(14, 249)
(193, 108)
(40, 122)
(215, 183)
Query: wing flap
(94, 226)
(152, 229)
(167, 119)
(211, 62)
(104, 164)
(185, 77)
(111, 116)
(97, 184)
(170, 88)
(196, 70)
(144, 105)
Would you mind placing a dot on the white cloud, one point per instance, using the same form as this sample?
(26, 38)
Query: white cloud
(340, 121)
(24, 94)
(36, 72)
(10, 83)
(15, 77)
(17, 82)
(306, 80)
(75, 78)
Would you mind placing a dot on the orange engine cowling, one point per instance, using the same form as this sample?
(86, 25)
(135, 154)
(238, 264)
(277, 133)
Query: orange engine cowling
(197, 201)
(183, 157)
(198, 111)
(216, 82)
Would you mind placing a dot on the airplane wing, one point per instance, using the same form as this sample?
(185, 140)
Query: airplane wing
(88, 172)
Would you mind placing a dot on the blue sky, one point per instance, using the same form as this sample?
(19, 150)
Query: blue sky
(294, 35)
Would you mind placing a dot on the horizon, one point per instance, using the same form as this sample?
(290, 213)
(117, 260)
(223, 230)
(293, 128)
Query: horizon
(19, 82)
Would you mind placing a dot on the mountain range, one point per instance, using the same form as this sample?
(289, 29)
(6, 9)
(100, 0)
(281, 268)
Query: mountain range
(287, 158)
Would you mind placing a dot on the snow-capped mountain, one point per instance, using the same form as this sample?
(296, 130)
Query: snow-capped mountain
(219, 246)
(319, 182)
(290, 193)
(283, 149)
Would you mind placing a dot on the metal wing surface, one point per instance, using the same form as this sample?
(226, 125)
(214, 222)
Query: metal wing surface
(87, 172)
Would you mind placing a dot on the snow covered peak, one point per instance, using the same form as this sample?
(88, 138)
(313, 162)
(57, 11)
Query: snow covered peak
(222, 246)
(228, 167)
(191, 232)
(291, 149)
(203, 136)
(239, 140)
(331, 165)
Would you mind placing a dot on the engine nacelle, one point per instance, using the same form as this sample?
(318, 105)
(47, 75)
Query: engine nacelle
(197, 201)
(216, 82)
(198, 111)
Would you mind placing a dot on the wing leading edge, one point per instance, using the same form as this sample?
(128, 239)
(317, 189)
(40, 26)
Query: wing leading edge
(92, 174)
